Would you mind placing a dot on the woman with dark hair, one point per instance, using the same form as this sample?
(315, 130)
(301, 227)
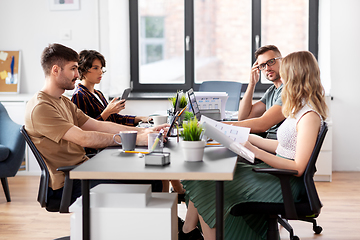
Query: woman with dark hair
(91, 101)
(305, 110)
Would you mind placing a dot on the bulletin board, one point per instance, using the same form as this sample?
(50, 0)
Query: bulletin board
(9, 71)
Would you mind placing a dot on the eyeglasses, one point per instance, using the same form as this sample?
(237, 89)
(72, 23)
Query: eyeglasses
(269, 63)
(103, 70)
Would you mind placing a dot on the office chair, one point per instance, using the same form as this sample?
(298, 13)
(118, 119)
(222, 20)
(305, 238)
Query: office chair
(233, 89)
(12, 149)
(51, 205)
(306, 210)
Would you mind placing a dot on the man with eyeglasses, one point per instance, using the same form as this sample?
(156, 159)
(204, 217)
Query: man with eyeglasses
(265, 116)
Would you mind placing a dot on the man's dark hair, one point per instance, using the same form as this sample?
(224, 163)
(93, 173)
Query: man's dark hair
(57, 54)
(86, 59)
(266, 48)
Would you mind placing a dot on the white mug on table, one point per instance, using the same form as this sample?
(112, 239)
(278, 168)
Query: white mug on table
(158, 120)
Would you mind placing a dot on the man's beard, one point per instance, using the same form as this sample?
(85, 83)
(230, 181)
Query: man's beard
(277, 77)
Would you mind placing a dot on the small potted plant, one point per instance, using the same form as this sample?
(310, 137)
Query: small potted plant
(180, 104)
(188, 116)
(182, 101)
(192, 144)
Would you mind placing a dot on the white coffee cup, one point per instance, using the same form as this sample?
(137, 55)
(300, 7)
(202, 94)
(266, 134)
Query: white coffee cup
(158, 120)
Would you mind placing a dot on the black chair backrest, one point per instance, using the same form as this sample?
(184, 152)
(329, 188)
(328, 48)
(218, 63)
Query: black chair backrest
(45, 176)
(313, 197)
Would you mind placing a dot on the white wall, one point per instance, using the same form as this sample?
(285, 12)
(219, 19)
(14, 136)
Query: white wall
(345, 83)
(95, 27)
(30, 26)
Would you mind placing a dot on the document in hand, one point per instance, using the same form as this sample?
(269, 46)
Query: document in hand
(231, 137)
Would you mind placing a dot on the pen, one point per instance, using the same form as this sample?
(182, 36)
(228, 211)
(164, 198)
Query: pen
(157, 139)
(182, 111)
(136, 152)
(213, 144)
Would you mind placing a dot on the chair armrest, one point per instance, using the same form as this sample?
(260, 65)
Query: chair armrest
(66, 168)
(275, 171)
(284, 177)
(67, 191)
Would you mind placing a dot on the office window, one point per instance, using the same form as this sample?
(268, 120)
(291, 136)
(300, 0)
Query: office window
(285, 24)
(222, 33)
(179, 44)
(152, 39)
(161, 55)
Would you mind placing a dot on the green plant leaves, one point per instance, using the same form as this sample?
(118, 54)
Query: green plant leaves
(188, 116)
(192, 130)
(182, 100)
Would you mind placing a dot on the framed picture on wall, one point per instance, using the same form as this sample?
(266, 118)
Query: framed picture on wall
(9, 71)
(59, 5)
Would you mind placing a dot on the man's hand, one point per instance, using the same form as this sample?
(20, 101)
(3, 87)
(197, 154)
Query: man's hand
(255, 74)
(142, 136)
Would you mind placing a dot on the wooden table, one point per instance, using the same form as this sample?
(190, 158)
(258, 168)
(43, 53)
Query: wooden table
(218, 164)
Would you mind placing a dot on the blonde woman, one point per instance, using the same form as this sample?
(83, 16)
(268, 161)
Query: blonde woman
(305, 110)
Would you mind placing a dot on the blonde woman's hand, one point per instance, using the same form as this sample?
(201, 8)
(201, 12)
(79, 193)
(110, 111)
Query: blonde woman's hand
(251, 147)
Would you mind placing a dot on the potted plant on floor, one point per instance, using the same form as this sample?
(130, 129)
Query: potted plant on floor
(192, 144)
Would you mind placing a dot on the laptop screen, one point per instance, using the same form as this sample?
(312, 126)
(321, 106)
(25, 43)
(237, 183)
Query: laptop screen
(193, 103)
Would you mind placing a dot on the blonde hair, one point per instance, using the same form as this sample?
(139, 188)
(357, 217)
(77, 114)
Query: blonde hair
(301, 76)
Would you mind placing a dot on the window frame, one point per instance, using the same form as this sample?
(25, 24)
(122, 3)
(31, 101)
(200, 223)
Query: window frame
(189, 54)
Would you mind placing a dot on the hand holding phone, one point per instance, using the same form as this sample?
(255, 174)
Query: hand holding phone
(114, 106)
(125, 94)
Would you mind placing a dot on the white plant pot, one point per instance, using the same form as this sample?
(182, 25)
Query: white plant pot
(193, 150)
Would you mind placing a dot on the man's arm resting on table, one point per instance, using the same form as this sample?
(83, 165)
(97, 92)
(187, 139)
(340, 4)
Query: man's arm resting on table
(256, 110)
(99, 134)
(260, 124)
(106, 126)
(91, 139)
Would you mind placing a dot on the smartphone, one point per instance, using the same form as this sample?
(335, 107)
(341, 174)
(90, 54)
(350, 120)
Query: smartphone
(125, 94)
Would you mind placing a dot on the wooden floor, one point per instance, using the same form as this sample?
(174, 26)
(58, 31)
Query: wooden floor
(24, 219)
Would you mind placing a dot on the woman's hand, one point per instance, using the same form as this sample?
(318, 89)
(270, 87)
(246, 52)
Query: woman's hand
(251, 147)
(142, 119)
(115, 106)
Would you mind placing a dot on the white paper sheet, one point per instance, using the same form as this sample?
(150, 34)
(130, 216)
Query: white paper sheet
(3, 55)
(237, 134)
(229, 136)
